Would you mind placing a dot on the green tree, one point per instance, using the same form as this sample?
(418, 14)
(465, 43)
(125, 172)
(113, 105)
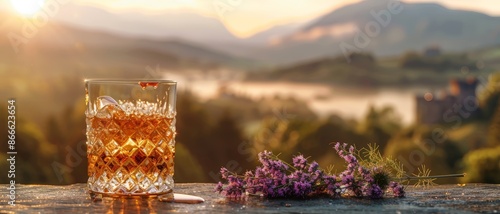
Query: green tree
(192, 127)
(187, 167)
(490, 107)
(361, 59)
(494, 129)
(225, 137)
(411, 60)
(489, 97)
(379, 125)
(34, 153)
(67, 132)
(483, 166)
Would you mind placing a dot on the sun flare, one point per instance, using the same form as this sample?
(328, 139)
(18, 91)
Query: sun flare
(27, 7)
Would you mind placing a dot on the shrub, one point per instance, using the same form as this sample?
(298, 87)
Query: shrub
(483, 166)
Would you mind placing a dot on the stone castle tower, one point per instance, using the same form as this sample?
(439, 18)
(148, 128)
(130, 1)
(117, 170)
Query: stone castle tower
(431, 108)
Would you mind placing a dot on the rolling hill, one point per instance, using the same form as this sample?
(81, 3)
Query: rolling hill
(415, 27)
(176, 25)
(186, 26)
(96, 46)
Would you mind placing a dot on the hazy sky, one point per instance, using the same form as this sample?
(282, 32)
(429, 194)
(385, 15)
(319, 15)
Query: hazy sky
(245, 17)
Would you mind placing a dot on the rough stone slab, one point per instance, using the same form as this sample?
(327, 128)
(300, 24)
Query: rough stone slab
(74, 199)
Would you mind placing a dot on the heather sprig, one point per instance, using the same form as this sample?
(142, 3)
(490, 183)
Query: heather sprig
(368, 174)
(275, 178)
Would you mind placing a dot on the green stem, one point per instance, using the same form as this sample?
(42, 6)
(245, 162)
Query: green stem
(432, 177)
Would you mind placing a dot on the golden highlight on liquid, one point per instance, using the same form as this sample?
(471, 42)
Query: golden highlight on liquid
(130, 154)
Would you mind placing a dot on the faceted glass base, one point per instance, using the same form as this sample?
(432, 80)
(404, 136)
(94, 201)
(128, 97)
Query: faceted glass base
(131, 188)
(99, 195)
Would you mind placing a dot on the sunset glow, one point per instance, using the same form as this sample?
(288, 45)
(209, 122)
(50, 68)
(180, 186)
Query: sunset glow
(27, 8)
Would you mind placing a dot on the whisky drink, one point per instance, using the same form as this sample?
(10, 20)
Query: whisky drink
(130, 137)
(130, 153)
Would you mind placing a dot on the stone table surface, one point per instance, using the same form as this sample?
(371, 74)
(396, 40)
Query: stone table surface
(74, 199)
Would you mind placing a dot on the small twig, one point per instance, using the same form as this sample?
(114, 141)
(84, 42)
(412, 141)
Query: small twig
(432, 177)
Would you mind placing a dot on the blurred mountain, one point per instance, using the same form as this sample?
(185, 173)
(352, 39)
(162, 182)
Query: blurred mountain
(105, 49)
(417, 26)
(188, 26)
(276, 32)
(247, 47)
(185, 25)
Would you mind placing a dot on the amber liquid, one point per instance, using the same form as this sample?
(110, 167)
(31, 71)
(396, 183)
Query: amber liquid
(130, 154)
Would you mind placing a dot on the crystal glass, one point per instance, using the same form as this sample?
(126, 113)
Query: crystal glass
(130, 137)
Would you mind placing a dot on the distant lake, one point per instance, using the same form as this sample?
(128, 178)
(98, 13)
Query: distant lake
(322, 99)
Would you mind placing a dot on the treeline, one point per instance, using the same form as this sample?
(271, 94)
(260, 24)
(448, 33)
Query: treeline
(414, 60)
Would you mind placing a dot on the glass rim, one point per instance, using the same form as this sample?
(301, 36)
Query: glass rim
(130, 81)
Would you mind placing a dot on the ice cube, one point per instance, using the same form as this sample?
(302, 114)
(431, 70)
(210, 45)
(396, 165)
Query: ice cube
(108, 107)
(103, 101)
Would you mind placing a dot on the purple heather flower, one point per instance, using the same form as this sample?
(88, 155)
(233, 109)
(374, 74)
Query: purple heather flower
(219, 187)
(300, 176)
(301, 189)
(337, 146)
(265, 156)
(317, 174)
(313, 167)
(234, 188)
(350, 158)
(397, 189)
(281, 192)
(299, 162)
(362, 170)
(224, 172)
(248, 176)
(341, 153)
(276, 166)
(365, 173)
(259, 172)
(329, 179)
(332, 187)
(351, 149)
(373, 191)
(377, 192)
(232, 179)
(347, 180)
